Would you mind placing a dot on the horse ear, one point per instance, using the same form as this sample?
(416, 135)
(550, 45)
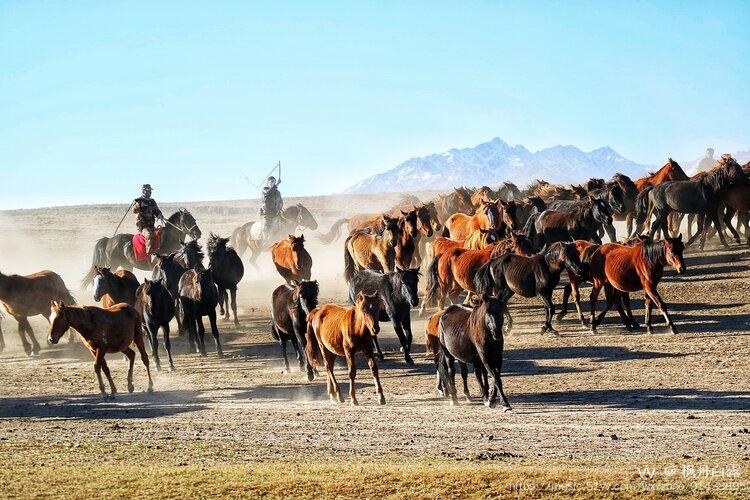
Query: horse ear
(360, 297)
(146, 281)
(679, 237)
(404, 213)
(53, 304)
(302, 237)
(290, 237)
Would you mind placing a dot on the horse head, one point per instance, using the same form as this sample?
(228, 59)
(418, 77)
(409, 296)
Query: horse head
(305, 218)
(186, 223)
(367, 307)
(391, 226)
(58, 322)
(600, 211)
(409, 280)
(424, 220)
(564, 255)
(491, 211)
(306, 295)
(101, 282)
(510, 213)
(673, 250)
(488, 314)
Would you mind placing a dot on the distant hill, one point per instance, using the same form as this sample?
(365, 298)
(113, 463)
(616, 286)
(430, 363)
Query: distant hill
(493, 162)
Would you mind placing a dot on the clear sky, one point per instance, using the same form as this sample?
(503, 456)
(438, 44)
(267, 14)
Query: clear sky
(99, 97)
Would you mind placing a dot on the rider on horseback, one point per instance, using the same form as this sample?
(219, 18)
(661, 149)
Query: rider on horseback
(147, 212)
(271, 206)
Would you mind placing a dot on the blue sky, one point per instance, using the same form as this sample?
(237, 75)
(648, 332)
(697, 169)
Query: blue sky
(99, 97)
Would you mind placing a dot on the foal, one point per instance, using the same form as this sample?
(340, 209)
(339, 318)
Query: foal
(473, 335)
(157, 307)
(104, 331)
(199, 297)
(343, 331)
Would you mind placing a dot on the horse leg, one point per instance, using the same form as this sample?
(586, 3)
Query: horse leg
(465, 380)
(300, 355)
(2, 338)
(105, 369)
(375, 374)
(351, 366)
(595, 287)
(30, 332)
(650, 289)
(611, 232)
(546, 298)
(403, 340)
(168, 346)
(144, 359)
(690, 220)
(625, 298)
(22, 334)
(222, 299)
(495, 373)
(566, 296)
(334, 390)
(451, 369)
(233, 295)
(282, 343)
(98, 358)
(130, 354)
(714, 216)
(376, 345)
(407, 331)
(727, 219)
(698, 230)
(629, 223)
(481, 375)
(153, 331)
(215, 332)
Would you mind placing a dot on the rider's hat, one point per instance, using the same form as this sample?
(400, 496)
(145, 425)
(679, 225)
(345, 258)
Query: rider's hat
(146, 186)
(271, 178)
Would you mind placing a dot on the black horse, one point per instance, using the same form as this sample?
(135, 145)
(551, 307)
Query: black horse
(399, 293)
(701, 196)
(228, 270)
(199, 297)
(190, 255)
(473, 335)
(529, 276)
(156, 307)
(290, 305)
(117, 251)
(574, 220)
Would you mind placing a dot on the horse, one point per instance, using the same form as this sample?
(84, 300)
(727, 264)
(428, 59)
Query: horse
(702, 196)
(399, 292)
(549, 192)
(508, 191)
(426, 223)
(527, 207)
(24, 296)
(104, 331)
(169, 271)
(537, 275)
(292, 218)
(613, 195)
(634, 268)
(157, 308)
(199, 297)
(290, 305)
(113, 288)
(629, 192)
(580, 223)
(489, 215)
(671, 171)
(344, 331)
(473, 335)
(458, 201)
(190, 255)
(291, 259)
(227, 269)
(406, 243)
(117, 251)
(364, 250)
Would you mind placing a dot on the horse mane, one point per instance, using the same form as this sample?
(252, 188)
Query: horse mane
(653, 251)
(626, 184)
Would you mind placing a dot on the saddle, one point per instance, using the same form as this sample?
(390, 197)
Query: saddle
(139, 245)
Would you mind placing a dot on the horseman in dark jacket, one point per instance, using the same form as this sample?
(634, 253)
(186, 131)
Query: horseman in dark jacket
(271, 205)
(147, 212)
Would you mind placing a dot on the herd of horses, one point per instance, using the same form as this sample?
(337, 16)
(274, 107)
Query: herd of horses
(475, 248)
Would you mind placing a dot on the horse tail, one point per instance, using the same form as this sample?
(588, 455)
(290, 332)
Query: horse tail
(441, 364)
(432, 283)
(484, 278)
(642, 206)
(349, 264)
(313, 351)
(99, 259)
(334, 233)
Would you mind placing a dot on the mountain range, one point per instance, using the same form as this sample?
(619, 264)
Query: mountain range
(493, 162)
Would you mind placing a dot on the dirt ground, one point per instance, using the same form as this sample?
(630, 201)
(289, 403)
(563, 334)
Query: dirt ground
(656, 413)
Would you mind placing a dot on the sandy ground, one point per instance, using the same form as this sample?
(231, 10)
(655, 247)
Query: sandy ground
(603, 400)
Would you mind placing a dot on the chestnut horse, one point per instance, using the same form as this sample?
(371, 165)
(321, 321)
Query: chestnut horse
(113, 288)
(291, 259)
(489, 215)
(24, 296)
(344, 331)
(473, 335)
(104, 331)
(366, 250)
(629, 269)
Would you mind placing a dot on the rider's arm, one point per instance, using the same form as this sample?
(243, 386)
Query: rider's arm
(157, 212)
(136, 206)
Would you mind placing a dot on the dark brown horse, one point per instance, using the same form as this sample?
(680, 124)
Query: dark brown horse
(199, 297)
(473, 335)
(291, 259)
(630, 269)
(529, 276)
(157, 308)
(344, 331)
(113, 288)
(579, 223)
(228, 270)
(25, 296)
(104, 331)
(290, 305)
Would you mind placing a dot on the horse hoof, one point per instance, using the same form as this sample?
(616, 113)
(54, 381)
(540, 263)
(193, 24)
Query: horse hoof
(489, 404)
(171, 368)
(672, 331)
(467, 398)
(131, 388)
(354, 402)
(553, 332)
(340, 398)
(454, 402)
(35, 350)
(157, 368)
(27, 350)
(150, 389)
(408, 360)
(649, 330)
(381, 399)
(506, 409)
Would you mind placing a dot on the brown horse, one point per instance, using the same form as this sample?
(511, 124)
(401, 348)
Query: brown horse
(406, 246)
(671, 171)
(367, 250)
(104, 331)
(344, 331)
(478, 240)
(458, 201)
(113, 288)
(24, 296)
(489, 215)
(291, 259)
(549, 192)
(630, 269)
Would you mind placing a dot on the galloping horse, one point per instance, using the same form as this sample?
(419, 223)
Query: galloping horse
(118, 251)
(227, 269)
(104, 331)
(292, 218)
(292, 260)
(290, 305)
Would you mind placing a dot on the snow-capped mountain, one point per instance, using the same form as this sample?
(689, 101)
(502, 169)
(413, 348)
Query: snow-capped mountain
(493, 162)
